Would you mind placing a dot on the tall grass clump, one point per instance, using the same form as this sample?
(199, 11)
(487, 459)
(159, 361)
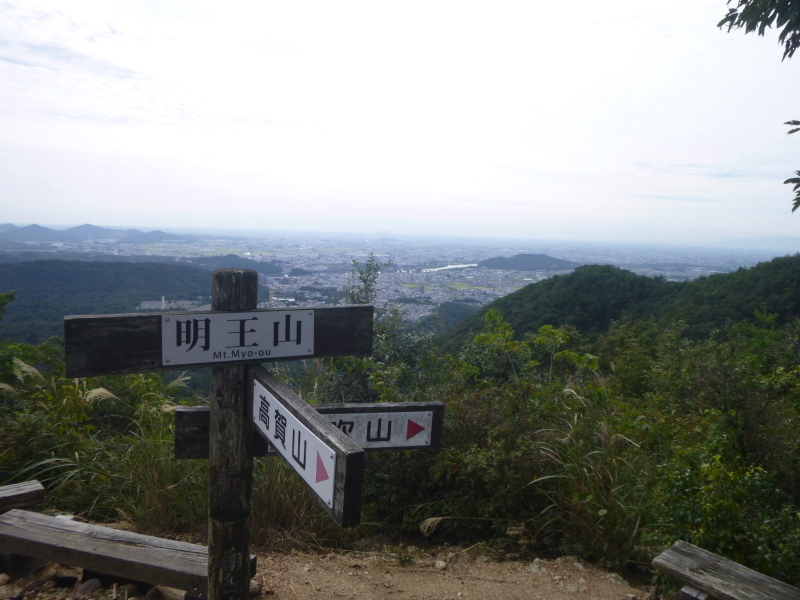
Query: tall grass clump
(597, 489)
(111, 454)
(284, 513)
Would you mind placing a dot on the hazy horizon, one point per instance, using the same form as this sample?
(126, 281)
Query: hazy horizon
(623, 122)
(776, 244)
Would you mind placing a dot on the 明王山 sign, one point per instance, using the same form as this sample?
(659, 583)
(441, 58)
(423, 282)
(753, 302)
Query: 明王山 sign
(226, 337)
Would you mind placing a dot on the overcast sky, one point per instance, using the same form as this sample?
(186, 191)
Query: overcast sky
(618, 120)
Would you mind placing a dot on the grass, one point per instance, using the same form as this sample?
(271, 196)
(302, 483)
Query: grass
(136, 478)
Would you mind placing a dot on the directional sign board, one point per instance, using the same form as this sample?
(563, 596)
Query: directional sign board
(115, 344)
(330, 463)
(374, 427)
(384, 426)
(200, 338)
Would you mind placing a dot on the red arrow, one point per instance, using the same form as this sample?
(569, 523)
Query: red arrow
(322, 472)
(413, 429)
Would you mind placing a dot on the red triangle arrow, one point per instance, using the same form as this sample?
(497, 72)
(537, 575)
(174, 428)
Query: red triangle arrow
(322, 472)
(413, 429)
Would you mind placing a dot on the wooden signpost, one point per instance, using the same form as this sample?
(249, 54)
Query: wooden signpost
(252, 413)
(230, 459)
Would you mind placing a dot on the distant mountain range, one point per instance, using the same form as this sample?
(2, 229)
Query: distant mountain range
(37, 233)
(528, 262)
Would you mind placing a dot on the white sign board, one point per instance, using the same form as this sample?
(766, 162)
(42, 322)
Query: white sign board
(385, 429)
(219, 337)
(307, 454)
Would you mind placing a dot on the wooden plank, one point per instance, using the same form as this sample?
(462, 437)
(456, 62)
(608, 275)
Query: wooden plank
(112, 344)
(110, 551)
(192, 430)
(348, 457)
(21, 495)
(191, 426)
(719, 577)
(131, 343)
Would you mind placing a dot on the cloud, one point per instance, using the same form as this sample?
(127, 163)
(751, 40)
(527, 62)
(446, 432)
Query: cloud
(493, 202)
(317, 110)
(673, 198)
(720, 171)
(49, 56)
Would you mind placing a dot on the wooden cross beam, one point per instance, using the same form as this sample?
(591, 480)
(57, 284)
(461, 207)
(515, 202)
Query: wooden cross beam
(375, 427)
(115, 344)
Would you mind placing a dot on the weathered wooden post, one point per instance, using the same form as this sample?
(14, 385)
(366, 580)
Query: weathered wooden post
(230, 455)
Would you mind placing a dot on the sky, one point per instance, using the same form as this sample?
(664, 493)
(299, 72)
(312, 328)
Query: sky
(620, 120)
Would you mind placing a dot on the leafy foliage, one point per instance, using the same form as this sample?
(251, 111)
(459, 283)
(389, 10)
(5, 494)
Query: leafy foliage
(362, 284)
(759, 15)
(794, 180)
(5, 298)
(448, 314)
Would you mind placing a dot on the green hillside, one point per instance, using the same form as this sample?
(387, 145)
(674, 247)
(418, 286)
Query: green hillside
(47, 290)
(593, 296)
(208, 263)
(448, 314)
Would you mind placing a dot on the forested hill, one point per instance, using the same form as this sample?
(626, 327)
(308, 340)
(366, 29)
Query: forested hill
(47, 290)
(528, 262)
(209, 263)
(593, 296)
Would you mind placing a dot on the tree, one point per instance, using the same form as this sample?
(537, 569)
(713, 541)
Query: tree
(362, 285)
(758, 15)
(6, 356)
(794, 180)
(5, 298)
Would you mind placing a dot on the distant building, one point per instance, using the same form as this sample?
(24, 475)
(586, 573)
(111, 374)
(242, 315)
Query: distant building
(164, 304)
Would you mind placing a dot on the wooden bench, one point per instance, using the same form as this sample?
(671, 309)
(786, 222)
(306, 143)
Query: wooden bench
(719, 578)
(131, 556)
(21, 495)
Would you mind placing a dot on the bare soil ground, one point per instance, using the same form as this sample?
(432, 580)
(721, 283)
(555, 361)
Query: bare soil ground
(452, 575)
(455, 575)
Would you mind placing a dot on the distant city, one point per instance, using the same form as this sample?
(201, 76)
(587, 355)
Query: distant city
(302, 269)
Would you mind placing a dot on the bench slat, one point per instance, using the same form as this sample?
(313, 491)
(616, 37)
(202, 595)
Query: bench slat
(121, 553)
(19, 495)
(719, 577)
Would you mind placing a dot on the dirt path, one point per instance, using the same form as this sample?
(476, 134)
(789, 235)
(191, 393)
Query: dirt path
(365, 576)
